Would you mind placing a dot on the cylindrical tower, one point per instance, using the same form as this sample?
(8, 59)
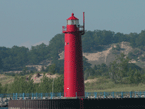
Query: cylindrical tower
(73, 63)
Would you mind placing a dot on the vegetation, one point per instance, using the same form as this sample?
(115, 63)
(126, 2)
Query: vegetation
(23, 85)
(120, 71)
(16, 58)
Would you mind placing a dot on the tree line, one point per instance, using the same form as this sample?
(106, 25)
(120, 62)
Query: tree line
(120, 71)
(23, 85)
(16, 58)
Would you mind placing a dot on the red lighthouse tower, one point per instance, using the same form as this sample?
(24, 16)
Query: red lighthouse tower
(73, 63)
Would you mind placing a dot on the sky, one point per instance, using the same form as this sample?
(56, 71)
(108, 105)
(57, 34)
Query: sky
(32, 22)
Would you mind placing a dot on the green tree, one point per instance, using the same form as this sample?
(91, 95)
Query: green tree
(137, 77)
(140, 39)
(24, 70)
(101, 70)
(1, 64)
(0, 88)
(52, 69)
(22, 85)
(131, 77)
(118, 47)
(42, 69)
(113, 71)
(85, 64)
(19, 85)
(59, 84)
(133, 37)
(30, 85)
(88, 72)
(45, 85)
(95, 67)
(5, 88)
(119, 67)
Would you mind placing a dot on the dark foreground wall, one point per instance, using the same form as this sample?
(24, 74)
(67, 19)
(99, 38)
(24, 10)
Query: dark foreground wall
(115, 103)
(112, 103)
(45, 104)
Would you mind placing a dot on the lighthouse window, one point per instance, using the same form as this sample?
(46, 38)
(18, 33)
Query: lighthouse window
(73, 22)
(77, 22)
(67, 43)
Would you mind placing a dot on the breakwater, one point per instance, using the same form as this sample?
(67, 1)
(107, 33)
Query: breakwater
(5, 98)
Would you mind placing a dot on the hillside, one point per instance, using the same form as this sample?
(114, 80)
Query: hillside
(107, 55)
(98, 46)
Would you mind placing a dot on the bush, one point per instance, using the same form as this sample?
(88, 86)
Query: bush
(91, 77)
(142, 58)
(143, 78)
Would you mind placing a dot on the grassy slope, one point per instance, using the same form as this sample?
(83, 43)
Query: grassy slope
(107, 85)
(140, 64)
(102, 84)
(4, 79)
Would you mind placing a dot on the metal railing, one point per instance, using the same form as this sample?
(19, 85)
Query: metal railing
(60, 95)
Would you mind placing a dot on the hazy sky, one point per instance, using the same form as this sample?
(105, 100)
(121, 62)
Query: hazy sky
(31, 22)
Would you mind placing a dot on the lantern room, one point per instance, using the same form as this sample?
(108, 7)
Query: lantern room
(73, 25)
(72, 20)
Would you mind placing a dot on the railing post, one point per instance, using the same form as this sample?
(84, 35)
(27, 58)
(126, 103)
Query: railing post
(104, 94)
(87, 94)
(135, 94)
(16, 96)
(1, 97)
(51, 95)
(130, 94)
(13, 96)
(41, 95)
(113, 94)
(47, 95)
(32, 96)
(60, 95)
(65, 95)
(140, 94)
(76, 95)
(121, 94)
(36, 95)
(23, 96)
(95, 94)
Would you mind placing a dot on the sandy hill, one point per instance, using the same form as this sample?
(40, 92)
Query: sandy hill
(106, 56)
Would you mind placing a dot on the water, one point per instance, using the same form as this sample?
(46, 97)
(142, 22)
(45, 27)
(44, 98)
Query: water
(3, 107)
